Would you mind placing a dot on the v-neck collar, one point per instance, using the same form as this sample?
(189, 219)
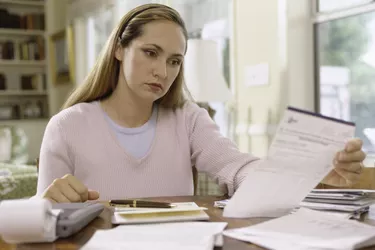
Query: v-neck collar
(121, 149)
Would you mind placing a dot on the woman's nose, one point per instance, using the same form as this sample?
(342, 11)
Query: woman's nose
(160, 70)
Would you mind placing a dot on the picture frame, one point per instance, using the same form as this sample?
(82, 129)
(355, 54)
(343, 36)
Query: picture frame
(62, 56)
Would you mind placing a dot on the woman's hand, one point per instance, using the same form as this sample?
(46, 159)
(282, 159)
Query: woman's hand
(347, 165)
(69, 189)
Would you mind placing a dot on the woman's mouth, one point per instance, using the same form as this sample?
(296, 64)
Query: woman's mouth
(155, 86)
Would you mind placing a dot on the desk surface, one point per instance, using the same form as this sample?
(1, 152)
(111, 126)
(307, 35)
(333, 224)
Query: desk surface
(104, 222)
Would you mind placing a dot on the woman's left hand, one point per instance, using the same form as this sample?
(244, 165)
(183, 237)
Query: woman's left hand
(347, 165)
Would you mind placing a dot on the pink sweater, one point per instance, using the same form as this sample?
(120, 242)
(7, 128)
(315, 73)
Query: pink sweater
(79, 141)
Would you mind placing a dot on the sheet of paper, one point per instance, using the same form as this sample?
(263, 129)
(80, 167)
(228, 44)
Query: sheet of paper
(333, 207)
(183, 211)
(325, 208)
(311, 229)
(35, 224)
(184, 236)
(270, 243)
(179, 207)
(300, 156)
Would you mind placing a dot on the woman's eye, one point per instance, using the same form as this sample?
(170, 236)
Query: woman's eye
(176, 62)
(151, 53)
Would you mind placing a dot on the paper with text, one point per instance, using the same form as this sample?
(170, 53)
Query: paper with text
(184, 236)
(300, 156)
(307, 229)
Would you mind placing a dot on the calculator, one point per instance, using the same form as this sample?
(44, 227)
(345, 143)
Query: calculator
(75, 216)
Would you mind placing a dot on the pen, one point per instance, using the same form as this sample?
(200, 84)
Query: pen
(140, 203)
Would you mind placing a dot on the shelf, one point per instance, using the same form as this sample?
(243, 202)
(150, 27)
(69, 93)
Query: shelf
(23, 3)
(22, 63)
(22, 93)
(21, 32)
(15, 121)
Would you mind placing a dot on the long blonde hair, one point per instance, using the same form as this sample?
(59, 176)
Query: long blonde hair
(102, 80)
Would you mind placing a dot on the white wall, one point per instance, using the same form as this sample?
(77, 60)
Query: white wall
(257, 41)
(300, 54)
(278, 33)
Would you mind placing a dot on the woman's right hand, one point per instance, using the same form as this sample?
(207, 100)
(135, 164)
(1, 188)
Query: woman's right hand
(69, 189)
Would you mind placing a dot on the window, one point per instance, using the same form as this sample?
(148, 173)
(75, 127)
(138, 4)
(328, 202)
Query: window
(100, 26)
(345, 69)
(210, 20)
(332, 5)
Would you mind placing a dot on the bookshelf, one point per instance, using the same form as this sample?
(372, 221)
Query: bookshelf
(24, 93)
(22, 63)
(20, 32)
(32, 3)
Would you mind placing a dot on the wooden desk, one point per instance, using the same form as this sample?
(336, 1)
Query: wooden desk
(103, 222)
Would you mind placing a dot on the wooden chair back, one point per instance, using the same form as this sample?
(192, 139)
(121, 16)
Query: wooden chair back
(37, 164)
(195, 180)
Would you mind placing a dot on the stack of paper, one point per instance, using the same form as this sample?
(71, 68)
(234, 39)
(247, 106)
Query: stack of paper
(221, 203)
(307, 229)
(371, 212)
(347, 203)
(352, 201)
(166, 236)
(183, 211)
(328, 211)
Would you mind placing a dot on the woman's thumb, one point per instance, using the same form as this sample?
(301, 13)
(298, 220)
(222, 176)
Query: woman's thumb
(93, 195)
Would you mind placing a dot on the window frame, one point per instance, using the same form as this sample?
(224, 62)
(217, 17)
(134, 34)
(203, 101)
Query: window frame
(317, 10)
(323, 17)
(319, 18)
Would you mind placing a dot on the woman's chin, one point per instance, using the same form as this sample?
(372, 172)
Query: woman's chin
(151, 97)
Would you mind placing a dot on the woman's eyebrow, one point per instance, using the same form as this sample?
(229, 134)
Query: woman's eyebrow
(160, 49)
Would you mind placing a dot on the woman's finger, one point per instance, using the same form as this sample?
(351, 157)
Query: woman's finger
(357, 156)
(354, 167)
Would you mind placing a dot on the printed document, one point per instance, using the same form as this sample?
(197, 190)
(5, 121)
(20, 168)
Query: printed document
(307, 229)
(300, 156)
(165, 236)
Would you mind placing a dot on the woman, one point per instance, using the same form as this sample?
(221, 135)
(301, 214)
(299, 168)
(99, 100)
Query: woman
(130, 130)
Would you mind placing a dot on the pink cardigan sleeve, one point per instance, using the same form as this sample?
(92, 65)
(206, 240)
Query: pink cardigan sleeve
(213, 153)
(55, 160)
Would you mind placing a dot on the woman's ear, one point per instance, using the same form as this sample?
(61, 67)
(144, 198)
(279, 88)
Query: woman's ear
(119, 54)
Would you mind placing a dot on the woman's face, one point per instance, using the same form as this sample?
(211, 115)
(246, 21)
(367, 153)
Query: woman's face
(151, 62)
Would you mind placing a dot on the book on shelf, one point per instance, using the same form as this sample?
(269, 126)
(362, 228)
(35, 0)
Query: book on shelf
(36, 82)
(28, 21)
(7, 50)
(31, 49)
